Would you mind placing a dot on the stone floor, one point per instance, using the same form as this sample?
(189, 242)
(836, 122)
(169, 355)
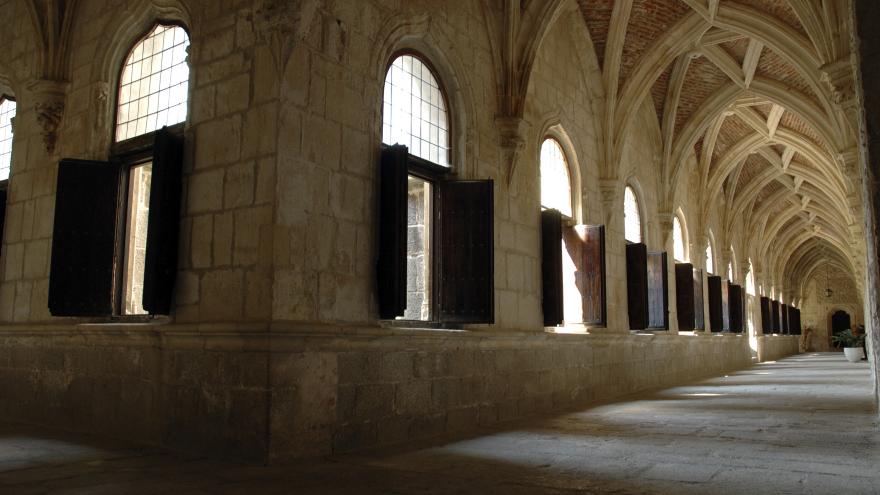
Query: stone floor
(801, 425)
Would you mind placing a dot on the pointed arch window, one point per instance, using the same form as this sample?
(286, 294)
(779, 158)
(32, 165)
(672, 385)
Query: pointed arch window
(631, 216)
(7, 113)
(115, 237)
(710, 258)
(154, 83)
(679, 241)
(414, 110)
(435, 233)
(555, 178)
(750, 283)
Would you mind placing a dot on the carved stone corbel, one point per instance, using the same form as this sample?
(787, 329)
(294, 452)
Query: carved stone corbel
(282, 23)
(609, 189)
(48, 96)
(664, 220)
(511, 131)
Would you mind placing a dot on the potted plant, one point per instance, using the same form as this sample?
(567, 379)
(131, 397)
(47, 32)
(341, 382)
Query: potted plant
(851, 343)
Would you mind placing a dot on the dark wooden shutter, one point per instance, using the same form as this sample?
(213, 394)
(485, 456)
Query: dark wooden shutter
(797, 321)
(766, 318)
(774, 307)
(84, 239)
(785, 329)
(2, 214)
(551, 267)
(658, 291)
(467, 267)
(699, 310)
(163, 227)
(637, 285)
(585, 245)
(716, 320)
(734, 293)
(725, 306)
(591, 274)
(391, 262)
(684, 296)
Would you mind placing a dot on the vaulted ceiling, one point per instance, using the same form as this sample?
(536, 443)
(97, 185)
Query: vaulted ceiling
(760, 93)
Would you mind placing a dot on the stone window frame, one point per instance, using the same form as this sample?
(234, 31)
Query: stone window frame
(130, 153)
(640, 209)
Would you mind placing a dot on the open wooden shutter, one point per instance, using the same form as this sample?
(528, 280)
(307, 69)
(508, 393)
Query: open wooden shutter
(467, 250)
(84, 239)
(637, 285)
(591, 274)
(777, 326)
(766, 318)
(585, 245)
(163, 227)
(699, 310)
(785, 328)
(2, 214)
(736, 308)
(391, 262)
(551, 267)
(725, 306)
(658, 291)
(797, 321)
(716, 307)
(684, 296)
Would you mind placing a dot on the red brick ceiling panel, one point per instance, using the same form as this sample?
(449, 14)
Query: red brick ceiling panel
(703, 79)
(779, 9)
(732, 131)
(794, 123)
(753, 166)
(658, 92)
(597, 15)
(772, 66)
(737, 49)
(648, 20)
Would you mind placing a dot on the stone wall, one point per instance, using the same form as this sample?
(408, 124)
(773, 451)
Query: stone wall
(246, 393)
(773, 347)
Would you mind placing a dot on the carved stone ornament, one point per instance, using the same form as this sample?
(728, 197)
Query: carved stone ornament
(511, 131)
(48, 97)
(838, 76)
(282, 23)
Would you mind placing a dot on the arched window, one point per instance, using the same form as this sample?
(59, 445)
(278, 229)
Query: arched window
(730, 271)
(154, 83)
(7, 112)
(447, 223)
(414, 110)
(750, 283)
(679, 241)
(555, 178)
(632, 227)
(710, 257)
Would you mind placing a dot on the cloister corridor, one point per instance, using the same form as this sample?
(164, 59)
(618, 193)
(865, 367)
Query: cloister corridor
(805, 424)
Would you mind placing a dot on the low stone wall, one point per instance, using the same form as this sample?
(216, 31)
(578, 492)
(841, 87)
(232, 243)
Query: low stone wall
(274, 394)
(773, 347)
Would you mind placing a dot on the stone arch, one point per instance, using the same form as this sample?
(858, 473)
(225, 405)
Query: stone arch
(422, 35)
(553, 129)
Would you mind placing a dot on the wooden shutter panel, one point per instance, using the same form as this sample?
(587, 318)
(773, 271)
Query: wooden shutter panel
(736, 308)
(391, 262)
(585, 245)
(84, 239)
(658, 291)
(591, 274)
(785, 329)
(551, 267)
(766, 318)
(467, 266)
(716, 320)
(774, 307)
(163, 227)
(637, 285)
(725, 306)
(684, 296)
(2, 214)
(797, 319)
(699, 310)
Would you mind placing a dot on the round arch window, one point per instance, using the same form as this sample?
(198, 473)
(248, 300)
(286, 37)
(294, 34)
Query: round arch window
(555, 178)
(632, 221)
